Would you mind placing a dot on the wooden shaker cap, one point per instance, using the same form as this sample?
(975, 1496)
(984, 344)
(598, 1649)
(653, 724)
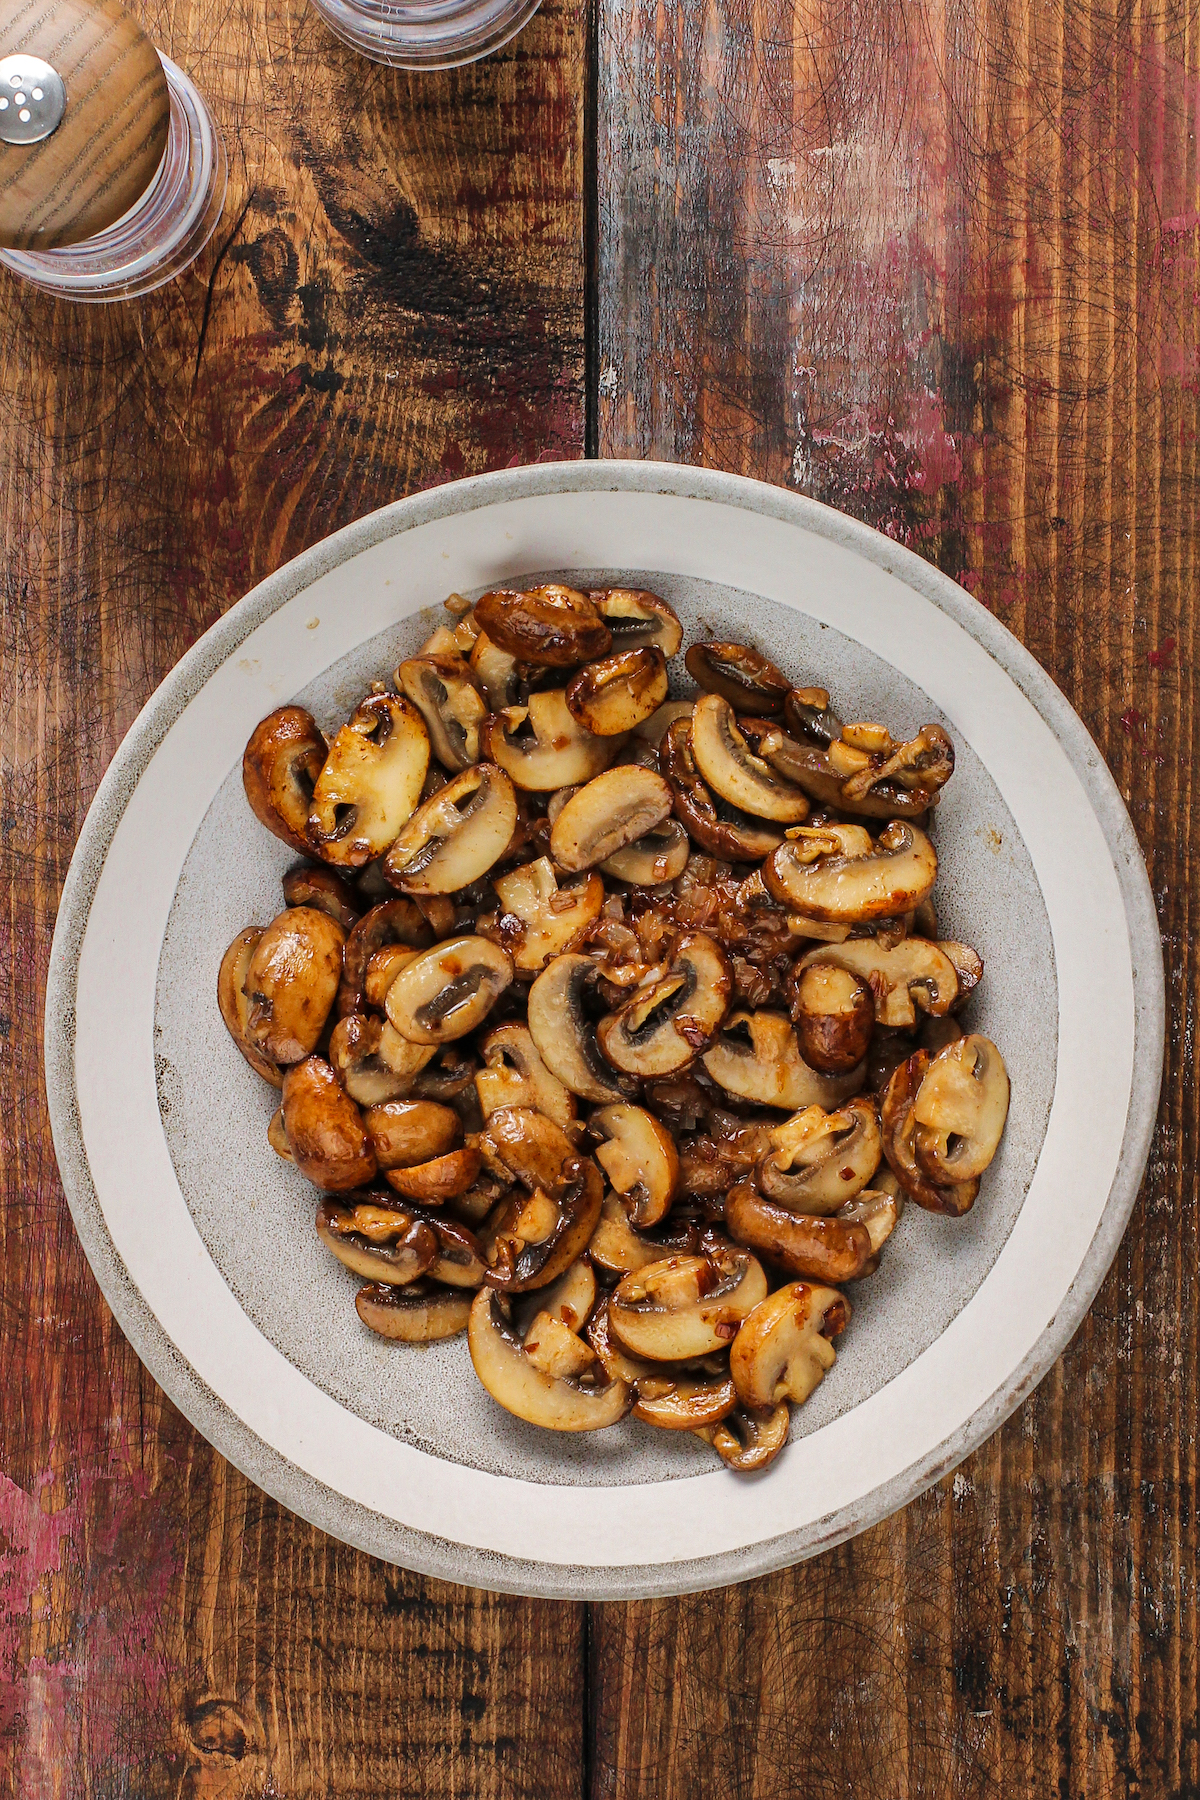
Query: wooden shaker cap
(107, 148)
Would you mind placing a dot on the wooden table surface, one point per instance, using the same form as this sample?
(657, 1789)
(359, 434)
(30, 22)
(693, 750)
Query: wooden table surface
(933, 262)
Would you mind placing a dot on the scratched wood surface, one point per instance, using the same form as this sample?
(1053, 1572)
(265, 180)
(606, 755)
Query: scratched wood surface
(936, 264)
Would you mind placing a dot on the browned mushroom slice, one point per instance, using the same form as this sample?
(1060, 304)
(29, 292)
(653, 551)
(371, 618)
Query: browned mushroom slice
(282, 761)
(615, 1245)
(409, 1060)
(310, 885)
(528, 1146)
(496, 672)
(672, 1016)
(544, 917)
(968, 966)
(277, 1136)
(758, 1058)
(833, 1010)
(819, 1159)
(563, 1031)
(686, 1306)
(608, 813)
(515, 1075)
(879, 1209)
(731, 769)
(749, 1442)
(569, 1299)
(448, 990)
(672, 1398)
(399, 922)
(324, 1127)
(826, 773)
(810, 718)
(375, 1240)
(654, 729)
(448, 1076)
(439, 1179)
(899, 1128)
(404, 1133)
(640, 1159)
(444, 691)
(454, 838)
(235, 1006)
(459, 1260)
(922, 766)
(618, 693)
(747, 680)
(784, 1350)
(719, 828)
(357, 1054)
(657, 857)
(421, 1313)
(542, 1234)
(913, 974)
(819, 1249)
(960, 1110)
(382, 970)
(637, 617)
(586, 1401)
(554, 626)
(542, 747)
(893, 878)
(291, 982)
(371, 781)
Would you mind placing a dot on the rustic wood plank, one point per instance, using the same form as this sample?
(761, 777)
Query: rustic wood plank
(937, 264)
(393, 296)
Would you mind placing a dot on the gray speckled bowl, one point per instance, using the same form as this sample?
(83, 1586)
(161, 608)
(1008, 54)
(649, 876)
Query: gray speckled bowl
(202, 1240)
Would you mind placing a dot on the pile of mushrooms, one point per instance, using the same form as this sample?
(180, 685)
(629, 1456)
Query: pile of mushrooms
(614, 1029)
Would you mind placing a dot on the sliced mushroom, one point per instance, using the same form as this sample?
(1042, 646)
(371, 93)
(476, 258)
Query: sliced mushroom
(719, 828)
(459, 1260)
(408, 1060)
(448, 990)
(371, 781)
(439, 1179)
(618, 693)
(310, 885)
(899, 1127)
(291, 982)
(834, 773)
(547, 916)
(686, 1306)
(684, 1402)
(569, 1300)
(784, 1349)
(960, 1110)
(397, 922)
(324, 1128)
(833, 1010)
(608, 813)
(282, 761)
(819, 1159)
(445, 694)
(563, 1031)
(356, 1053)
(654, 729)
(741, 676)
(496, 672)
(657, 857)
(640, 1159)
(382, 970)
(405, 1133)
(878, 1210)
(541, 747)
(968, 966)
(529, 1146)
(921, 767)
(421, 1313)
(636, 617)
(894, 878)
(729, 766)
(457, 836)
(557, 1402)
(808, 714)
(541, 1235)
(673, 1014)
(749, 1442)
(448, 1077)
(277, 1136)
(554, 626)
(757, 1057)
(235, 1005)
(819, 1249)
(616, 1247)
(515, 1075)
(375, 1240)
(913, 974)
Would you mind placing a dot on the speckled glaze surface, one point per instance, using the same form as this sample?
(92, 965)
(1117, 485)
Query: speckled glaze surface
(247, 1322)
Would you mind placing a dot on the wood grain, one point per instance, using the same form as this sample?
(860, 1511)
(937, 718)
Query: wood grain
(937, 264)
(394, 296)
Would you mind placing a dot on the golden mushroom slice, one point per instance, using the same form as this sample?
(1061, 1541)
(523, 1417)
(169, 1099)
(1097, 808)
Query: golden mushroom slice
(562, 1029)
(375, 1240)
(618, 693)
(748, 1442)
(419, 1313)
(898, 1126)
(744, 678)
(282, 761)
(456, 836)
(671, 1397)
(636, 617)
(440, 1179)
(538, 1235)
(723, 830)
(548, 915)
(616, 1247)
(554, 626)
(819, 1249)
(968, 966)
(878, 1210)
(448, 990)
(527, 1146)
(586, 1401)
(912, 974)
(654, 729)
(542, 747)
(496, 672)
(640, 1159)
(515, 1075)
(405, 1133)
(757, 1057)
(784, 1349)
(656, 857)
(357, 1053)
(235, 1005)
(382, 970)
(960, 1110)
(446, 694)
(833, 1010)
(732, 770)
(836, 772)
(673, 1014)
(394, 924)
(324, 1128)
(819, 1159)
(607, 814)
(894, 877)
(308, 884)
(291, 982)
(686, 1306)
(371, 781)
(569, 1299)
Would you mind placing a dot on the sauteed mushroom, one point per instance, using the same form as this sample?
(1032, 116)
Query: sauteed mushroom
(838, 774)
(616, 1246)
(673, 1014)
(719, 828)
(441, 1178)
(606, 815)
(370, 783)
(686, 1306)
(819, 1249)
(784, 1350)
(420, 1313)
(731, 769)
(833, 1010)
(356, 1052)
(899, 1127)
(563, 1031)
(657, 857)
(749, 1442)
(515, 1076)
(554, 626)
(542, 747)
(913, 974)
(568, 1402)
(741, 676)
(405, 1133)
(539, 918)
(878, 1211)
(640, 1159)
(235, 1006)
(324, 1128)
(448, 990)
(282, 761)
(636, 617)
(539, 1235)
(445, 694)
(960, 1110)
(758, 1058)
(821, 1159)
(310, 885)
(291, 982)
(375, 1240)
(528, 1146)
(496, 672)
(397, 922)
(620, 692)
(457, 835)
(894, 877)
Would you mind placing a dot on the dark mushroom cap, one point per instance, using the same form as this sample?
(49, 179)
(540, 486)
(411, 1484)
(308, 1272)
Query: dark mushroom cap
(282, 761)
(553, 626)
(819, 1249)
(324, 1128)
(749, 681)
(723, 830)
(308, 884)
